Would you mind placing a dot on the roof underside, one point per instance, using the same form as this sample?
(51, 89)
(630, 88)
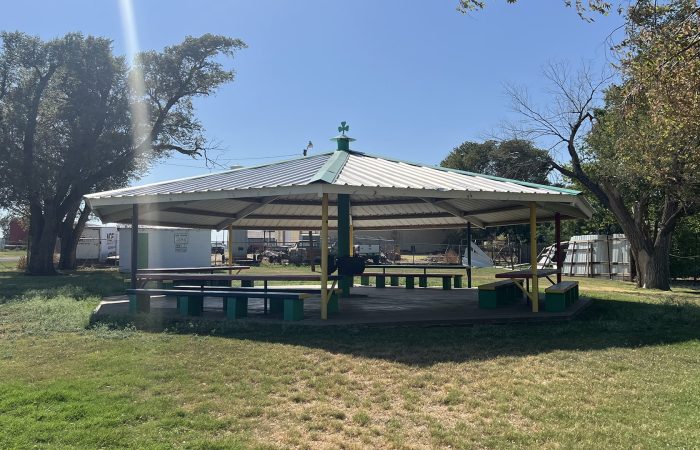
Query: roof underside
(384, 194)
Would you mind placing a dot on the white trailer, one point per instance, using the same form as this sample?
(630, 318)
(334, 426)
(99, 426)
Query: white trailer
(97, 243)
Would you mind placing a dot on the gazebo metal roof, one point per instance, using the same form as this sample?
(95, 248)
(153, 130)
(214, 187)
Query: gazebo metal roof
(384, 194)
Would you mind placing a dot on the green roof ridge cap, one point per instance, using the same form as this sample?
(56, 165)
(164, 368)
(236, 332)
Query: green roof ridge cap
(329, 172)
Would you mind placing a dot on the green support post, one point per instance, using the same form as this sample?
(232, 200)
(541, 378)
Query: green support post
(394, 280)
(364, 280)
(458, 281)
(423, 281)
(344, 238)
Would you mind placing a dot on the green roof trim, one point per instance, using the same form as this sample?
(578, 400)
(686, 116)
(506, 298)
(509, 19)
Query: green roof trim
(474, 174)
(329, 172)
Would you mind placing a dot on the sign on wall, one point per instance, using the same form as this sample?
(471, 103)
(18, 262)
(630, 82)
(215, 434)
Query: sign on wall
(182, 239)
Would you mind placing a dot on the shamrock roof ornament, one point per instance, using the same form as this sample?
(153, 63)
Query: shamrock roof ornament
(343, 140)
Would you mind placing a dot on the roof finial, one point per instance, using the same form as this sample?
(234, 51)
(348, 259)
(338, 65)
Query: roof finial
(343, 140)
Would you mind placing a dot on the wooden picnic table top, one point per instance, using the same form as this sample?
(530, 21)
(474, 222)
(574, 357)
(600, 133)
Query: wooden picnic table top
(227, 277)
(527, 273)
(416, 266)
(201, 269)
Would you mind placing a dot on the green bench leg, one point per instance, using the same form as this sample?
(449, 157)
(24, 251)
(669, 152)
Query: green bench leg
(236, 307)
(364, 280)
(423, 282)
(247, 283)
(381, 281)
(276, 306)
(333, 304)
(293, 309)
(447, 283)
(190, 306)
(139, 303)
(555, 302)
(394, 280)
(458, 281)
(410, 282)
(488, 299)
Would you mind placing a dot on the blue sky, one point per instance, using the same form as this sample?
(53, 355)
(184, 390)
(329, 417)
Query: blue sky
(412, 78)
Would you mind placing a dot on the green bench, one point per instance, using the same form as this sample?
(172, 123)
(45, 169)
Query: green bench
(235, 301)
(394, 277)
(275, 304)
(560, 296)
(499, 293)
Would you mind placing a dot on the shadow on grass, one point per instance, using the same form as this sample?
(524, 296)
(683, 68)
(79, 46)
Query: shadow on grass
(605, 324)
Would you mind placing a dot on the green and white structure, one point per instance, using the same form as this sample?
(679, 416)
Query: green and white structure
(342, 190)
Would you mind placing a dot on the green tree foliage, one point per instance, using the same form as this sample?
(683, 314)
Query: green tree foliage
(640, 159)
(583, 8)
(517, 159)
(67, 128)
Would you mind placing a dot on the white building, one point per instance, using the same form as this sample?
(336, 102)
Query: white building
(161, 247)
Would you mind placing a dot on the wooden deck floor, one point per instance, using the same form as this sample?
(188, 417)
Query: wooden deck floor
(371, 306)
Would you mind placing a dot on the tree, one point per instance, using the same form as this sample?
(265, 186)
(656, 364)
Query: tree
(68, 124)
(639, 155)
(583, 8)
(517, 159)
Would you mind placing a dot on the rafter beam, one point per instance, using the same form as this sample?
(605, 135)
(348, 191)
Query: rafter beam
(446, 206)
(245, 212)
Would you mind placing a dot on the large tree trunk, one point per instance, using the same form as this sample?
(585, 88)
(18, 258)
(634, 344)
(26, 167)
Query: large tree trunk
(43, 231)
(654, 266)
(70, 235)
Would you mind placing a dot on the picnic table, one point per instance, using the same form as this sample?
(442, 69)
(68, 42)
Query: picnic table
(527, 275)
(203, 269)
(425, 267)
(202, 279)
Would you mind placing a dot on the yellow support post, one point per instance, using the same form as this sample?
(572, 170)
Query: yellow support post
(230, 248)
(324, 257)
(534, 298)
(352, 240)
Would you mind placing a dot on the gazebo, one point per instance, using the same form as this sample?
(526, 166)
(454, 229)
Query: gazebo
(344, 190)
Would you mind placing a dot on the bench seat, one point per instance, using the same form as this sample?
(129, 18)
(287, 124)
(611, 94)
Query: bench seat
(333, 305)
(498, 293)
(560, 296)
(235, 301)
(410, 279)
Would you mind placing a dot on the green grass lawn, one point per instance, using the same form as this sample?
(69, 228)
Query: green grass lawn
(626, 374)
